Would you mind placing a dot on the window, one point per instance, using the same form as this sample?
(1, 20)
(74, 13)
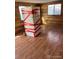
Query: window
(54, 9)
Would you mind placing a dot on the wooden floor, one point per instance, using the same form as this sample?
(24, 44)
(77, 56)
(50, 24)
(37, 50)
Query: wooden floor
(48, 45)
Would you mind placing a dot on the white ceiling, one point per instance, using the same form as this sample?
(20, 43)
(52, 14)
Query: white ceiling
(35, 1)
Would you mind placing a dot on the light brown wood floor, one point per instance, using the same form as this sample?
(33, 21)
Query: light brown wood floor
(48, 45)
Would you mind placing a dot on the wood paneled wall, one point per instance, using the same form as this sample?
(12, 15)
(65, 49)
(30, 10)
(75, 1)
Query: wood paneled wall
(18, 23)
(47, 19)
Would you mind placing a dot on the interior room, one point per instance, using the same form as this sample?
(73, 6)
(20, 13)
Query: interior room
(44, 39)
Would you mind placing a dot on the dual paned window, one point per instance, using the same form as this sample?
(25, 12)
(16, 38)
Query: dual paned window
(54, 9)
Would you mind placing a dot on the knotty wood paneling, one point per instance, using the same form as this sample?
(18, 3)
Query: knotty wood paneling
(48, 18)
(44, 14)
(18, 23)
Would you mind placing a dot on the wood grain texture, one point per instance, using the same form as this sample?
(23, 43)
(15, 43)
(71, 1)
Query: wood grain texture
(51, 18)
(18, 21)
(48, 45)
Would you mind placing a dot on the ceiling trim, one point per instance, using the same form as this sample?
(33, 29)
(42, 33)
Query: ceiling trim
(36, 1)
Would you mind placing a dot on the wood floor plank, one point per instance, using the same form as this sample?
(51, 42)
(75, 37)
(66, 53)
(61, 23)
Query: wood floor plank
(49, 45)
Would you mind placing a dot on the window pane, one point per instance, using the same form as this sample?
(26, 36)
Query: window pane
(51, 9)
(58, 9)
(54, 9)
